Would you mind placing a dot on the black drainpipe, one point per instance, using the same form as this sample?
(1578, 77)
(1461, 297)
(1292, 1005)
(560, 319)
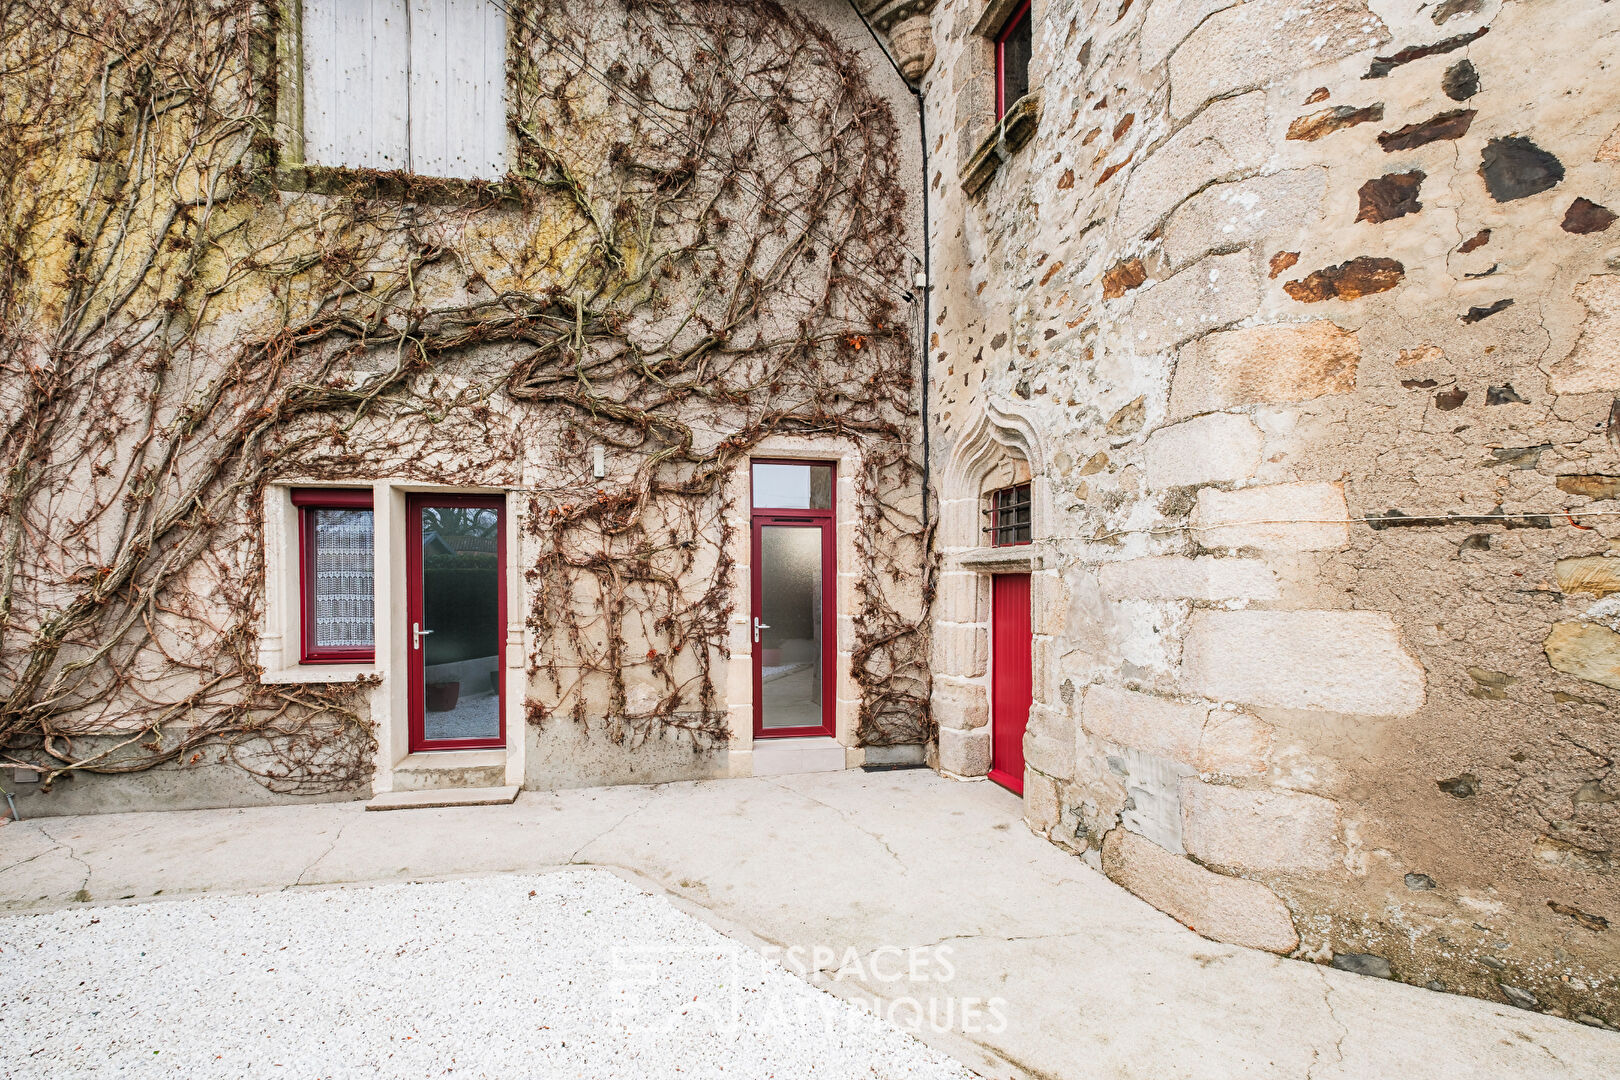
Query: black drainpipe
(928, 270)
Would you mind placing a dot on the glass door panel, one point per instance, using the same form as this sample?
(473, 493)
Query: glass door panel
(457, 627)
(791, 627)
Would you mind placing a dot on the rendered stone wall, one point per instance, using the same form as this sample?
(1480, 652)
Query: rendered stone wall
(1304, 314)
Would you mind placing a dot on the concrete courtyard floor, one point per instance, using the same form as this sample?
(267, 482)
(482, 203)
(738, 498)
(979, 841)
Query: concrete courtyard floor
(1092, 982)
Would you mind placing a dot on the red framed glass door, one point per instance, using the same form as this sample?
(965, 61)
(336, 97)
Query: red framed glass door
(793, 621)
(1011, 683)
(455, 565)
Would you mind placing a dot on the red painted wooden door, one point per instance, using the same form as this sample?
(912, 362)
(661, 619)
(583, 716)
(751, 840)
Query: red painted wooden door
(1010, 678)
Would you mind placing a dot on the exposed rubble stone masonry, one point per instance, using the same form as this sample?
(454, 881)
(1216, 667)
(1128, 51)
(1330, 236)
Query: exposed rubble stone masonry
(1303, 318)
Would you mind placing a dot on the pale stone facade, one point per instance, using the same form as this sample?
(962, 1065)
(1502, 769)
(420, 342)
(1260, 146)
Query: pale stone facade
(1301, 318)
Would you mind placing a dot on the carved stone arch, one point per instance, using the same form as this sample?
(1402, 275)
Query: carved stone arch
(994, 436)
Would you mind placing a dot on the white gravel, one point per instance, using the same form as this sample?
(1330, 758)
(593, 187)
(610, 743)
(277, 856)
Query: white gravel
(573, 974)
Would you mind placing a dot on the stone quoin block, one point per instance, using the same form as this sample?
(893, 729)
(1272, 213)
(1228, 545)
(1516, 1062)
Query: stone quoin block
(965, 753)
(1051, 755)
(1258, 830)
(1176, 577)
(1260, 364)
(1207, 449)
(1209, 739)
(1229, 909)
(962, 705)
(1334, 661)
(1042, 804)
(961, 649)
(1212, 292)
(1277, 517)
(1266, 41)
(1226, 141)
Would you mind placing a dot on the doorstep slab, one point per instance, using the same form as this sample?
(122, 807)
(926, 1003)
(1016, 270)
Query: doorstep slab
(421, 800)
(435, 770)
(779, 757)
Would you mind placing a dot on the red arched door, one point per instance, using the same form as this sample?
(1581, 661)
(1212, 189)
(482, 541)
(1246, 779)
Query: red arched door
(1010, 678)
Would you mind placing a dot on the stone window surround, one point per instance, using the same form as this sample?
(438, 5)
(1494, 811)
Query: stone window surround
(388, 697)
(738, 690)
(997, 447)
(1012, 131)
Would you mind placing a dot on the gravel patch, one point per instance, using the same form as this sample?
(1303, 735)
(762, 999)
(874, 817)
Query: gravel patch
(571, 974)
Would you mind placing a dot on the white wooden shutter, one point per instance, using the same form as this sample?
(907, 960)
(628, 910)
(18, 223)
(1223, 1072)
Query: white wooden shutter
(458, 88)
(356, 62)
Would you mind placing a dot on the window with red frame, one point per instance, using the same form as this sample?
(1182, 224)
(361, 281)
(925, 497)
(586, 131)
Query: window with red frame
(337, 580)
(1014, 46)
(1009, 516)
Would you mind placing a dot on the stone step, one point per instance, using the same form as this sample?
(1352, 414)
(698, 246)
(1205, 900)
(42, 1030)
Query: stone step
(439, 770)
(422, 800)
(776, 757)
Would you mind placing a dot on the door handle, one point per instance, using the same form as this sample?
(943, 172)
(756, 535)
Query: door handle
(758, 626)
(417, 634)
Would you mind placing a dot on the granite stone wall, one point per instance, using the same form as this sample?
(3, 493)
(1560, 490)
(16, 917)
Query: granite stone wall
(1304, 318)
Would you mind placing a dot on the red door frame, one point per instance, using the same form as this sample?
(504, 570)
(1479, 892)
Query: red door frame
(827, 521)
(1001, 55)
(413, 616)
(306, 500)
(1011, 678)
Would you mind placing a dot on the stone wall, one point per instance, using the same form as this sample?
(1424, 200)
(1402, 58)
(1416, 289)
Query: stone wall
(1303, 315)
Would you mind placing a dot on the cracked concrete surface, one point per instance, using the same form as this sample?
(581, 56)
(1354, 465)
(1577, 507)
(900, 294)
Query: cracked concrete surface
(1095, 982)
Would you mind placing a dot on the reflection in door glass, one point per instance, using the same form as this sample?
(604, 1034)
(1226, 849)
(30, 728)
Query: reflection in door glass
(790, 632)
(461, 620)
(793, 487)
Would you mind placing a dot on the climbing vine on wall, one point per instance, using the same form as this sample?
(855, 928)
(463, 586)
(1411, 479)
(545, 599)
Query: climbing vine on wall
(701, 245)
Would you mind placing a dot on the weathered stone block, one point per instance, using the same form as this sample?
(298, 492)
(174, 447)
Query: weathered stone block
(1258, 830)
(1318, 125)
(1277, 517)
(1210, 293)
(1263, 41)
(1586, 650)
(1258, 364)
(1042, 806)
(1229, 909)
(1167, 25)
(1598, 575)
(1235, 743)
(1211, 740)
(965, 753)
(1052, 756)
(960, 650)
(1335, 661)
(1144, 722)
(1207, 449)
(1364, 275)
(1594, 364)
(1225, 142)
(1227, 215)
(1176, 577)
(960, 705)
(1516, 168)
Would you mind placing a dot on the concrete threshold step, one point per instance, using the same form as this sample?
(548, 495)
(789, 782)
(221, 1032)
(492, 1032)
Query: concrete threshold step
(421, 800)
(778, 757)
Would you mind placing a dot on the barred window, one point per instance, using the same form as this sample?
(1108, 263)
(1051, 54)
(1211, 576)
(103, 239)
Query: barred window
(336, 535)
(1009, 516)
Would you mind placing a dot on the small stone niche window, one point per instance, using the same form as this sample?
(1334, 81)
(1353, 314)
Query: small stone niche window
(1009, 515)
(1014, 45)
(336, 539)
